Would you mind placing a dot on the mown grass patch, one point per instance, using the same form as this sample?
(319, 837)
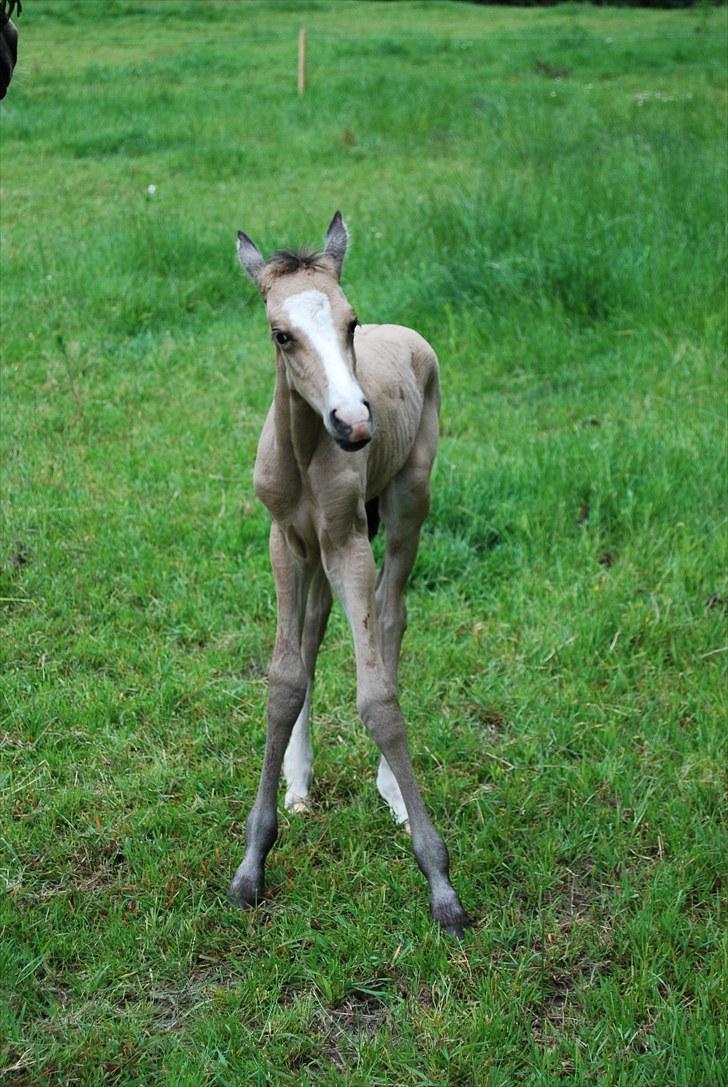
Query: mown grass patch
(541, 193)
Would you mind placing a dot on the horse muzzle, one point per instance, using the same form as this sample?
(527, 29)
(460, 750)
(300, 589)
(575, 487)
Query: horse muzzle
(351, 435)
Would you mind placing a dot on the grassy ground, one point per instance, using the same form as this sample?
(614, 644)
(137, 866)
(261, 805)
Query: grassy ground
(559, 236)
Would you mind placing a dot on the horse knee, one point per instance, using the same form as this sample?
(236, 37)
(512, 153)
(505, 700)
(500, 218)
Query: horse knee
(383, 718)
(287, 683)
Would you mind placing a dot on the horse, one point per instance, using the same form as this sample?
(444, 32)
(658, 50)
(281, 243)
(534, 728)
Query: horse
(8, 42)
(348, 442)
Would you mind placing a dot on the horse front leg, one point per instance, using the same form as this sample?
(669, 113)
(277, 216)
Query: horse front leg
(287, 683)
(351, 570)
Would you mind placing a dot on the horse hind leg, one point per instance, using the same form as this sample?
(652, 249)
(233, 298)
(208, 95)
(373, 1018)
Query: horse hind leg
(392, 619)
(298, 759)
(390, 791)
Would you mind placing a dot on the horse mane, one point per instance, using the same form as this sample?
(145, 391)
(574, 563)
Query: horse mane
(285, 262)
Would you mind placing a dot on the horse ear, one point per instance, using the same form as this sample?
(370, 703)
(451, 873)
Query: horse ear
(337, 239)
(250, 257)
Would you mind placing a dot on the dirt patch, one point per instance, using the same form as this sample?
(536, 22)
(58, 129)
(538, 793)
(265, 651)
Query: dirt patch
(578, 892)
(20, 1071)
(550, 71)
(21, 554)
(556, 1017)
(565, 979)
(575, 950)
(172, 1005)
(359, 1015)
(88, 868)
(489, 719)
(98, 865)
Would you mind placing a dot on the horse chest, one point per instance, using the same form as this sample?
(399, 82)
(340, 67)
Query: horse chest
(309, 507)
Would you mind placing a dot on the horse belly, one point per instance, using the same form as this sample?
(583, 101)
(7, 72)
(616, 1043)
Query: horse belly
(390, 450)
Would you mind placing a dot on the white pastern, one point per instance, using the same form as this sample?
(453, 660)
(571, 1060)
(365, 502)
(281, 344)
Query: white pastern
(389, 791)
(310, 314)
(298, 760)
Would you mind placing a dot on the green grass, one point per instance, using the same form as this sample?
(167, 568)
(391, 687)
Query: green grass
(562, 244)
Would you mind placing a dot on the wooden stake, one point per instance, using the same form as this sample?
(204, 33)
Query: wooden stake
(302, 62)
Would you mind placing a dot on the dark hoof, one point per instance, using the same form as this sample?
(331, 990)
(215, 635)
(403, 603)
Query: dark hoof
(452, 918)
(457, 929)
(245, 893)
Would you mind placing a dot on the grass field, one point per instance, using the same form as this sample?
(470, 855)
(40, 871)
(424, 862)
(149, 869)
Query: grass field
(560, 238)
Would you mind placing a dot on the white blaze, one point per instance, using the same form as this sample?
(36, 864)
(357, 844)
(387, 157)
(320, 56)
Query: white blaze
(310, 313)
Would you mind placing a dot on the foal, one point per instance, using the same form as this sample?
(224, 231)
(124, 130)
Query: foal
(350, 437)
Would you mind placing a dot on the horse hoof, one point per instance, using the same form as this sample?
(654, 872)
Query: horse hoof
(457, 931)
(298, 805)
(245, 893)
(452, 918)
(405, 825)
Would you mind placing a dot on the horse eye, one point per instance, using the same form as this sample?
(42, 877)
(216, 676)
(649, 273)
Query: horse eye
(282, 338)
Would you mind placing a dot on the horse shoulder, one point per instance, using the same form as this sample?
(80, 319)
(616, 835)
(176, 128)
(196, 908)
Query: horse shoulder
(276, 479)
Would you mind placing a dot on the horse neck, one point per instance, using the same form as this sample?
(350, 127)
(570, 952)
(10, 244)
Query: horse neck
(297, 426)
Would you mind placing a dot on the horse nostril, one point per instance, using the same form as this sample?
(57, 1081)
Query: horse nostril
(340, 427)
